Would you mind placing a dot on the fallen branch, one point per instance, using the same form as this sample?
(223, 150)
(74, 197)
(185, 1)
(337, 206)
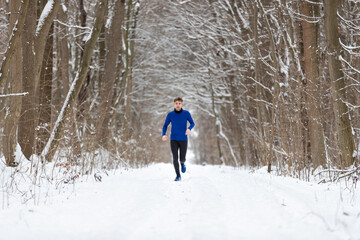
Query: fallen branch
(338, 174)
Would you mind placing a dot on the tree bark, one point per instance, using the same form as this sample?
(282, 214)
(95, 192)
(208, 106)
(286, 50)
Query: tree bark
(14, 109)
(26, 129)
(338, 87)
(43, 129)
(113, 41)
(57, 132)
(34, 44)
(291, 39)
(83, 94)
(13, 43)
(318, 151)
(41, 35)
(63, 52)
(125, 77)
(217, 119)
(276, 83)
(258, 92)
(131, 40)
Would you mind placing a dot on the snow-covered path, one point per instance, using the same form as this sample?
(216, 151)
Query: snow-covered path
(210, 203)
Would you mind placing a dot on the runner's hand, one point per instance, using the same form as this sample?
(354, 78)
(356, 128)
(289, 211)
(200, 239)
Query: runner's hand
(164, 138)
(187, 131)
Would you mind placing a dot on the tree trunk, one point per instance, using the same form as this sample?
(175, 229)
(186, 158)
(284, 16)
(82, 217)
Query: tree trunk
(41, 35)
(102, 56)
(338, 87)
(131, 39)
(84, 92)
(317, 140)
(114, 46)
(26, 131)
(238, 115)
(34, 42)
(78, 82)
(276, 83)
(63, 52)
(125, 77)
(13, 43)
(217, 119)
(300, 128)
(43, 129)
(14, 109)
(258, 92)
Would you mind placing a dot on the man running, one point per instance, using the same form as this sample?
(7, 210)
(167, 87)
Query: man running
(179, 131)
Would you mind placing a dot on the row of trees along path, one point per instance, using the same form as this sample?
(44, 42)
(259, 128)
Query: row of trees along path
(269, 82)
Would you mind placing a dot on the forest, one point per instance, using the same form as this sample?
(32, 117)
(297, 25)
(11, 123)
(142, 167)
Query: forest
(87, 84)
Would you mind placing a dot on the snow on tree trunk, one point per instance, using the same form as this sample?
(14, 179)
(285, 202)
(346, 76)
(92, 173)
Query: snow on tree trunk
(42, 30)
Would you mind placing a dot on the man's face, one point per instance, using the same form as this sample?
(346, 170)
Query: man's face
(178, 105)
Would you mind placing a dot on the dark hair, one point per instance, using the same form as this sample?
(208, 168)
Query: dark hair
(178, 99)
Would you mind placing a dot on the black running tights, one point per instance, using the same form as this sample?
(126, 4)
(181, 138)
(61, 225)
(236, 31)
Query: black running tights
(175, 146)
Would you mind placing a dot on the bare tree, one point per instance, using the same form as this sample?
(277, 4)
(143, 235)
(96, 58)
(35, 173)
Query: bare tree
(312, 83)
(26, 127)
(45, 93)
(338, 87)
(14, 108)
(113, 40)
(72, 95)
(36, 39)
(13, 43)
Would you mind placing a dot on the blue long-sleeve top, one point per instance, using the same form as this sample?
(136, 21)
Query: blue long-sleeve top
(178, 120)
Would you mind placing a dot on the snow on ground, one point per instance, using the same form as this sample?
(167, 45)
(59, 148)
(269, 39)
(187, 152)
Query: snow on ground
(211, 202)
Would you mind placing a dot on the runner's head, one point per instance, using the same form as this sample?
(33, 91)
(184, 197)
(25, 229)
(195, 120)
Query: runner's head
(178, 103)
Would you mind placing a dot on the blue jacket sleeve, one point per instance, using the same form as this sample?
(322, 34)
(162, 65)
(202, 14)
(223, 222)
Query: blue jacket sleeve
(166, 124)
(191, 121)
